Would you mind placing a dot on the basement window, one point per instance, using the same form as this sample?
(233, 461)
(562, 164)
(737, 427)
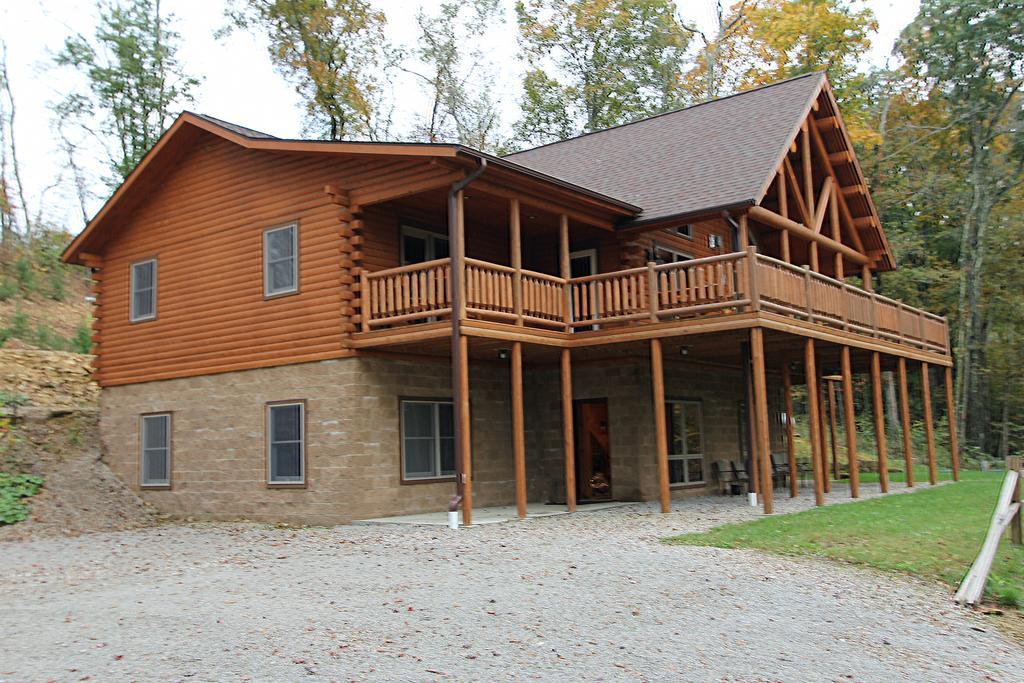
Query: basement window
(428, 440)
(286, 447)
(685, 442)
(155, 450)
(281, 260)
(143, 285)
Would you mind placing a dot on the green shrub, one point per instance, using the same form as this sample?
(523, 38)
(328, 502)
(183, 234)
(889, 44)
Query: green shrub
(19, 328)
(14, 488)
(55, 281)
(82, 341)
(46, 338)
(8, 289)
(26, 275)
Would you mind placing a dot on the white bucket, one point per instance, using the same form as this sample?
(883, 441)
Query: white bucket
(752, 499)
(453, 519)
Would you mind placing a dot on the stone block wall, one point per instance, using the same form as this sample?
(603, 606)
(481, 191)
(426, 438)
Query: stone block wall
(219, 465)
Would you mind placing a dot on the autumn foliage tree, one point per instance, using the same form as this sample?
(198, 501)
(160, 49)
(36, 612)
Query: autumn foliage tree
(592, 64)
(336, 55)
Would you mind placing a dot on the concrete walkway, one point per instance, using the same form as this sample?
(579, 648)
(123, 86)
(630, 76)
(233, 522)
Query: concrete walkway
(491, 515)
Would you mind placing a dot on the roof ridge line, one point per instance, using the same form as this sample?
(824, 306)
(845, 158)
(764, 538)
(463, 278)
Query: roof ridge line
(668, 113)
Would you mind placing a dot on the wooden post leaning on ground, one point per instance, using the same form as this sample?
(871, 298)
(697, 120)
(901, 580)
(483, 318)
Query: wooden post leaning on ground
(876, 390)
(761, 412)
(813, 418)
(850, 422)
(1014, 464)
(1007, 513)
(954, 446)
(929, 427)
(660, 428)
(908, 447)
(787, 390)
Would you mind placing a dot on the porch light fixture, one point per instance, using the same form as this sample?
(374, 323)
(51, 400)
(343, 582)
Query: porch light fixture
(684, 350)
(503, 354)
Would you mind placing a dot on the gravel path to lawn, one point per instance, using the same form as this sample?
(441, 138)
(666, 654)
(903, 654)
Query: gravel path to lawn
(589, 596)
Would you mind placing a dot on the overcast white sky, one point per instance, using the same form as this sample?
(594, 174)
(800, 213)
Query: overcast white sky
(239, 84)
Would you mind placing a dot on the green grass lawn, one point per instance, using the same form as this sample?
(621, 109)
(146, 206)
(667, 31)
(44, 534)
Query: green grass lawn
(933, 533)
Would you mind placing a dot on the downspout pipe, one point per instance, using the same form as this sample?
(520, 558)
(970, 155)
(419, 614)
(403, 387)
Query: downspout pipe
(458, 247)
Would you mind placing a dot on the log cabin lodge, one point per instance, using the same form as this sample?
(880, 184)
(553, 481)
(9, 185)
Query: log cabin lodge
(317, 332)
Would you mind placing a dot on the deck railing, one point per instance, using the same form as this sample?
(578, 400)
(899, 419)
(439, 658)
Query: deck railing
(717, 285)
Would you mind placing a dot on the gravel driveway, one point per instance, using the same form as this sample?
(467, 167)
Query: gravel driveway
(589, 596)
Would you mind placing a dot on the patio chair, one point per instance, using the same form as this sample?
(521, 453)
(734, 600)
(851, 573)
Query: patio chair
(780, 470)
(730, 480)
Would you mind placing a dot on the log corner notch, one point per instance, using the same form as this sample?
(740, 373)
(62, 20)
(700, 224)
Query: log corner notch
(350, 260)
(95, 265)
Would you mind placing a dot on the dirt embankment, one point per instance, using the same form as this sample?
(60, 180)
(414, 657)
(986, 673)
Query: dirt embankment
(55, 435)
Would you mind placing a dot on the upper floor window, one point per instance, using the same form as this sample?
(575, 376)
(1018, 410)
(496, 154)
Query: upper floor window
(281, 260)
(143, 290)
(419, 246)
(155, 446)
(663, 254)
(428, 440)
(682, 231)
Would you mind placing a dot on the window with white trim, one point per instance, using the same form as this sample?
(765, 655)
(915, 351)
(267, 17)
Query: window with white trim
(286, 447)
(663, 254)
(155, 450)
(143, 286)
(428, 440)
(685, 442)
(682, 231)
(281, 260)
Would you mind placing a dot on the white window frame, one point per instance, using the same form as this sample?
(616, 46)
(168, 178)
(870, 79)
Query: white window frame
(160, 483)
(437, 474)
(294, 227)
(431, 238)
(132, 315)
(686, 456)
(685, 231)
(680, 255)
(301, 481)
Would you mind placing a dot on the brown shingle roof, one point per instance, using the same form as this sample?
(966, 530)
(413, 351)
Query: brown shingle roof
(713, 155)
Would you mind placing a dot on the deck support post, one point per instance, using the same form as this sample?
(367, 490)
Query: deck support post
(460, 357)
(568, 435)
(518, 421)
(876, 390)
(827, 399)
(748, 387)
(518, 428)
(813, 418)
(908, 448)
(761, 412)
(929, 427)
(660, 431)
(954, 446)
(850, 420)
(787, 390)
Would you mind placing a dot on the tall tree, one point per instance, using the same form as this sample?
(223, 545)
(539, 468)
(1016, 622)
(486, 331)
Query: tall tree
(336, 55)
(9, 147)
(597, 63)
(707, 78)
(134, 81)
(457, 76)
(970, 54)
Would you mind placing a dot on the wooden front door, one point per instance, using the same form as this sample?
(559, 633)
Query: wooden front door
(593, 452)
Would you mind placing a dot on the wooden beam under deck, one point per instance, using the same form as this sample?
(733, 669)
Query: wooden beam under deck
(814, 419)
(660, 428)
(850, 421)
(908, 448)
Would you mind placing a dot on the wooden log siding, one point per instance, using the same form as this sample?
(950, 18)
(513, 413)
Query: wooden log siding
(205, 226)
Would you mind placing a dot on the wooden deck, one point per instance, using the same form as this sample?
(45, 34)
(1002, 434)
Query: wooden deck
(741, 289)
